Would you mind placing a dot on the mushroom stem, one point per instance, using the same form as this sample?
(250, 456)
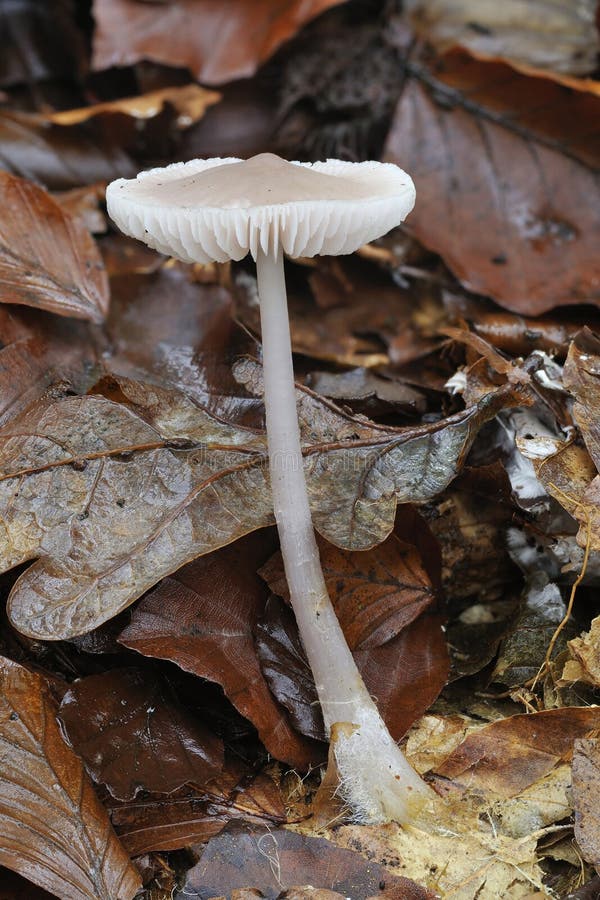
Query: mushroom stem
(376, 780)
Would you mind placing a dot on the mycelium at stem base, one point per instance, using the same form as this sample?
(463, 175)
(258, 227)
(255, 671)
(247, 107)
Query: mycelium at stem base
(376, 780)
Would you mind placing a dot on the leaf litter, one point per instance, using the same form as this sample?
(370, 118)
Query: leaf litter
(449, 413)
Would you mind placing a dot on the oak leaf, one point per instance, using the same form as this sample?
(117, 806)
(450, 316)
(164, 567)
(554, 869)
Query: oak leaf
(111, 497)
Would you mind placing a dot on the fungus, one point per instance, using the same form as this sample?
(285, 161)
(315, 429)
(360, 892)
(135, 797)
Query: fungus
(221, 209)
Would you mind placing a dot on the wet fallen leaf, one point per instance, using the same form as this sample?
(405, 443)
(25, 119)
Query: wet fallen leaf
(586, 784)
(216, 45)
(350, 313)
(367, 392)
(58, 157)
(376, 593)
(273, 859)
(102, 463)
(533, 743)
(187, 817)
(203, 618)
(39, 43)
(189, 101)
(558, 36)
(285, 668)
(37, 350)
(133, 736)
(499, 163)
(54, 829)
(47, 258)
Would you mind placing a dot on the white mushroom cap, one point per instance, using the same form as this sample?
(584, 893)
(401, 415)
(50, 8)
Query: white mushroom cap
(218, 209)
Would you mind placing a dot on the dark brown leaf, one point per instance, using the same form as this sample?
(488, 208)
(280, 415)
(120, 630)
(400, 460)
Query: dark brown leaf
(47, 258)
(375, 593)
(203, 618)
(533, 743)
(586, 789)
(133, 736)
(191, 817)
(286, 670)
(275, 859)
(39, 42)
(217, 45)
(504, 167)
(131, 503)
(405, 674)
(53, 829)
(37, 350)
(57, 156)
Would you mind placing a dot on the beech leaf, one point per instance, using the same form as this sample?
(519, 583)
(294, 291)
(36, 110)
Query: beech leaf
(139, 739)
(48, 259)
(215, 43)
(111, 502)
(53, 828)
(499, 183)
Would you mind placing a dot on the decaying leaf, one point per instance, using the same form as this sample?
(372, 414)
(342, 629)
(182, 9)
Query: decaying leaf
(586, 785)
(217, 44)
(203, 618)
(133, 736)
(37, 350)
(376, 593)
(486, 865)
(39, 43)
(58, 157)
(53, 830)
(272, 860)
(405, 673)
(500, 161)
(190, 816)
(557, 36)
(534, 744)
(584, 664)
(132, 505)
(47, 258)
(190, 102)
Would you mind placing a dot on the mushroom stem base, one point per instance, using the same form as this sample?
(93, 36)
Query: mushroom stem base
(376, 780)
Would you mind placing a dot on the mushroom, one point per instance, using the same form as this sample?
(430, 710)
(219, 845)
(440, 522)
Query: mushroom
(220, 209)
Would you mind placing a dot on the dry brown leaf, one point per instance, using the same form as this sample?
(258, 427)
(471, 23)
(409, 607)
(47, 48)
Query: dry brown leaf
(532, 745)
(53, 829)
(136, 498)
(504, 167)
(47, 258)
(189, 101)
(557, 35)
(586, 789)
(217, 44)
(466, 863)
(585, 653)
